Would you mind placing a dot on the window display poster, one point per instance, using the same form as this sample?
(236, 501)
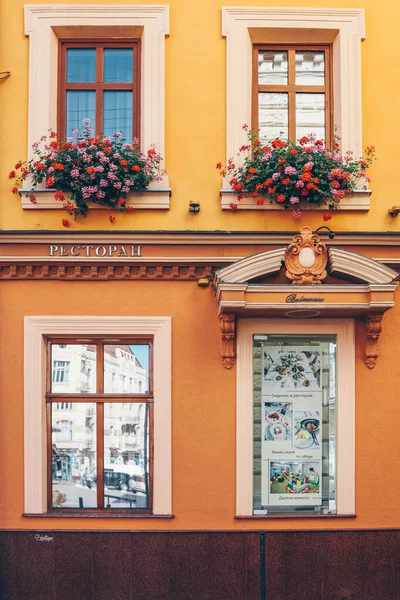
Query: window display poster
(291, 423)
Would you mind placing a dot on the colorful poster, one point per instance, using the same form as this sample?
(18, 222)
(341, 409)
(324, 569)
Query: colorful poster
(291, 420)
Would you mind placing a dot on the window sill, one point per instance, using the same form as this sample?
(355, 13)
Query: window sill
(292, 516)
(359, 200)
(94, 515)
(151, 199)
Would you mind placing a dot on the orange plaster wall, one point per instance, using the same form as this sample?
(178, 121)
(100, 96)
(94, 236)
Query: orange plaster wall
(203, 418)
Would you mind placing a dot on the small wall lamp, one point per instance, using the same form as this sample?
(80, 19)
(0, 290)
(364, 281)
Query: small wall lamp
(194, 207)
(331, 234)
(394, 211)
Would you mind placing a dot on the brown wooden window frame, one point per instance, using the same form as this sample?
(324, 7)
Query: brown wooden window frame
(100, 398)
(291, 88)
(99, 86)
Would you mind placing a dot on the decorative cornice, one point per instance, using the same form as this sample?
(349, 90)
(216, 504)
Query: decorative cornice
(91, 272)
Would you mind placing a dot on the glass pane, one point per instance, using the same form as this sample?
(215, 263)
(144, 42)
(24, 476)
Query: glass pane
(294, 423)
(80, 105)
(126, 369)
(117, 114)
(272, 67)
(81, 65)
(126, 455)
(273, 116)
(310, 68)
(310, 115)
(73, 455)
(118, 65)
(73, 369)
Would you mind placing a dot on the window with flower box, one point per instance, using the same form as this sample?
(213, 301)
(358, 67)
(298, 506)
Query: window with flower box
(99, 442)
(101, 82)
(292, 92)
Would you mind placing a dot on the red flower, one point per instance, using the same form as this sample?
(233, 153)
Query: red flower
(293, 152)
(90, 170)
(70, 207)
(129, 209)
(307, 168)
(14, 190)
(53, 134)
(123, 162)
(59, 167)
(305, 176)
(276, 144)
(121, 201)
(59, 195)
(280, 198)
(240, 196)
(111, 219)
(32, 199)
(304, 193)
(50, 182)
(304, 140)
(106, 150)
(218, 165)
(233, 206)
(136, 168)
(12, 174)
(53, 144)
(319, 143)
(65, 223)
(260, 201)
(271, 190)
(256, 143)
(243, 149)
(238, 187)
(327, 217)
(19, 165)
(286, 180)
(281, 161)
(151, 152)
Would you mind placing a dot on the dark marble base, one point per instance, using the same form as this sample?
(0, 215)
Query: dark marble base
(322, 565)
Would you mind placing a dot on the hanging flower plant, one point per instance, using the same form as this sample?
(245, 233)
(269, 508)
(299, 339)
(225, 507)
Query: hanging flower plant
(84, 169)
(293, 174)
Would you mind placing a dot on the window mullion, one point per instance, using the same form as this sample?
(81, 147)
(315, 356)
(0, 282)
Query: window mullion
(100, 454)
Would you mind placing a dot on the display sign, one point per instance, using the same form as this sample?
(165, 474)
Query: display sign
(96, 251)
(291, 424)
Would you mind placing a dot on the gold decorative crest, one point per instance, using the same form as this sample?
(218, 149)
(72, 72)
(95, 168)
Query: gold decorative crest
(306, 258)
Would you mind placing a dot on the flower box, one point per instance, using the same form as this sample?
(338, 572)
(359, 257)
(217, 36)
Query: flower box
(358, 200)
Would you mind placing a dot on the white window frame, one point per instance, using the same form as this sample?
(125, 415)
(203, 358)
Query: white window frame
(41, 24)
(343, 27)
(344, 329)
(36, 328)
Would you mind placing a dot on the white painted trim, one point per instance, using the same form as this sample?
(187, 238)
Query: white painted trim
(35, 459)
(345, 331)
(349, 26)
(43, 51)
(359, 201)
(152, 198)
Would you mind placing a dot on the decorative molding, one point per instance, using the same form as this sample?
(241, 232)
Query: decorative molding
(359, 267)
(40, 19)
(358, 200)
(306, 258)
(195, 238)
(251, 267)
(227, 324)
(373, 326)
(35, 456)
(151, 199)
(348, 25)
(95, 272)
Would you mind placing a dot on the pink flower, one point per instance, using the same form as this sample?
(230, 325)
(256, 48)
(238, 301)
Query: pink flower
(299, 185)
(294, 200)
(296, 213)
(275, 176)
(290, 171)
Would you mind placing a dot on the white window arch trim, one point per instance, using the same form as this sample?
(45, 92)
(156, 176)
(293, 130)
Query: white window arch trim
(35, 454)
(153, 20)
(344, 27)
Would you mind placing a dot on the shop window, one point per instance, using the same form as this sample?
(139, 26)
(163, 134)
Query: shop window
(292, 92)
(88, 447)
(109, 465)
(99, 81)
(295, 417)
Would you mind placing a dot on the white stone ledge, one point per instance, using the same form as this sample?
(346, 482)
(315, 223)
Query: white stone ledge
(359, 200)
(151, 199)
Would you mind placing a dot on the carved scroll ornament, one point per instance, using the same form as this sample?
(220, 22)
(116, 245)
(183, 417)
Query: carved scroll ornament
(306, 258)
(374, 327)
(228, 330)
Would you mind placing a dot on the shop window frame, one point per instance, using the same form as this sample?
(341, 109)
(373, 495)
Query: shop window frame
(37, 329)
(344, 329)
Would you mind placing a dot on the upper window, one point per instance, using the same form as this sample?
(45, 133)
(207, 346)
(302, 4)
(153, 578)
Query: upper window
(100, 82)
(292, 92)
(99, 450)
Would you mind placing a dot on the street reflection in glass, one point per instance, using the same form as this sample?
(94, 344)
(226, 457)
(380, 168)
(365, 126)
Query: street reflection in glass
(126, 455)
(73, 455)
(73, 369)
